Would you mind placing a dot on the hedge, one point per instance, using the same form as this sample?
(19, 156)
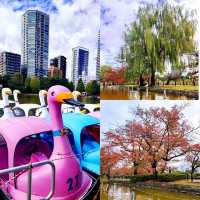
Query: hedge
(167, 177)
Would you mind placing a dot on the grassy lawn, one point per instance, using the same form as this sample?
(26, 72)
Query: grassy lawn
(186, 183)
(180, 87)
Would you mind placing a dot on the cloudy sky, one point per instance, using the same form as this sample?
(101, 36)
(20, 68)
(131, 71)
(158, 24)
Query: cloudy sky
(72, 23)
(76, 22)
(116, 14)
(114, 113)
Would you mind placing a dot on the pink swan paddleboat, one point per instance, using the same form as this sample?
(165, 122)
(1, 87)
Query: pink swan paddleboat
(22, 141)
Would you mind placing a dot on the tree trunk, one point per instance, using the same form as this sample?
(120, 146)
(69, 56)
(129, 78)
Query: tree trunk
(135, 171)
(192, 176)
(193, 81)
(108, 175)
(135, 168)
(154, 168)
(152, 76)
(168, 81)
(141, 81)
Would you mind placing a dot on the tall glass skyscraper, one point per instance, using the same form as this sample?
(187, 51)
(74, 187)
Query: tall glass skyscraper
(35, 44)
(80, 64)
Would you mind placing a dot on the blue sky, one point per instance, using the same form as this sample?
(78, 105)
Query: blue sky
(116, 13)
(72, 23)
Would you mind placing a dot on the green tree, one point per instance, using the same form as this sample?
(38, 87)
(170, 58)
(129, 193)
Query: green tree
(93, 88)
(34, 84)
(6, 80)
(27, 84)
(160, 32)
(64, 82)
(44, 83)
(16, 81)
(71, 86)
(54, 81)
(80, 87)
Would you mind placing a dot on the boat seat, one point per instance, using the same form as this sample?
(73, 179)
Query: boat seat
(18, 112)
(89, 145)
(37, 157)
(1, 112)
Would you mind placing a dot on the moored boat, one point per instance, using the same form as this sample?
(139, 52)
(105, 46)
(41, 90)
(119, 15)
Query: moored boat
(23, 141)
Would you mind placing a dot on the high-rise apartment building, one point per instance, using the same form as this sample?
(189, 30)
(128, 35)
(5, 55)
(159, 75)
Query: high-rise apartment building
(80, 64)
(9, 63)
(35, 43)
(61, 63)
(98, 58)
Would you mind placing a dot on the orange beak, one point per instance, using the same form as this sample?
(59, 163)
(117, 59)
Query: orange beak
(63, 96)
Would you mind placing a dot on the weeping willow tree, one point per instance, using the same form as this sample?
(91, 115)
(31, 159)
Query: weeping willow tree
(159, 33)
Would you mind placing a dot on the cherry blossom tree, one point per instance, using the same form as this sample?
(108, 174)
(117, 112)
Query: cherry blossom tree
(151, 139)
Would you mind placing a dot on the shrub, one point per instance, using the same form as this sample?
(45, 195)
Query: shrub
(161, 177)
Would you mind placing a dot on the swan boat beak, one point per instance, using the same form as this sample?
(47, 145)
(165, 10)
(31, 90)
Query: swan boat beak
(67, 97)
(7, 91)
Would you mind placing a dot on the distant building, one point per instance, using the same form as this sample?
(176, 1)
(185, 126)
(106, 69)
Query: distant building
(54, 62)
(35, 43)
(122, 55)
(98, 58)
(189, 62)
(9, 63)
(54, 72)
(80, 64)
(60, 63)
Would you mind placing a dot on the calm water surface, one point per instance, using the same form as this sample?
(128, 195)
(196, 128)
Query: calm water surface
(126, 94)
(31, 98)
(116, 192)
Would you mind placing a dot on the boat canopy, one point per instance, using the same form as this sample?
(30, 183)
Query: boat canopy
(76, 122)
(14, 129)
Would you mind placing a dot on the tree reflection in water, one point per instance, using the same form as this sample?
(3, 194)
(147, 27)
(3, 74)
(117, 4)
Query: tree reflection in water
(117, 192)
(126, 94)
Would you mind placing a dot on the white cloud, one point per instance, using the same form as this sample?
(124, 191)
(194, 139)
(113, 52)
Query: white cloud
(74, 24)
(10, 34)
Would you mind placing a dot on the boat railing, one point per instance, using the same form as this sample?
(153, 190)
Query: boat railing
(29, 167)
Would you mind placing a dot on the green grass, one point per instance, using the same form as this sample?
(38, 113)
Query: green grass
(180, 87)
(186, 183)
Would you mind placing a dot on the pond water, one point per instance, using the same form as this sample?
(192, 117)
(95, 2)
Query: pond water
(126, 94)
(117, 192)
(33, 98)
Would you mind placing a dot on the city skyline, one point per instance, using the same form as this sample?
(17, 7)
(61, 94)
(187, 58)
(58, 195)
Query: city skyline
(72, 24)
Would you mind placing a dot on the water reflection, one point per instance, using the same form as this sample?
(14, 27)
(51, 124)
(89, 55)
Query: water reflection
(116, 192)
(30, 98)
(125, 94)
